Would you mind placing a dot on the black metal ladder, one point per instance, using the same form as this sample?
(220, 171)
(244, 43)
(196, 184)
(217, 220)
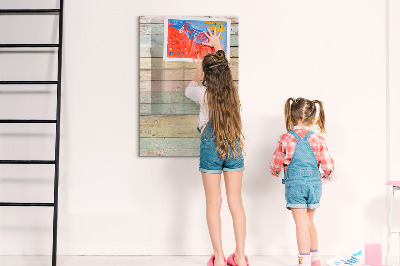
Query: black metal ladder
(57, 82)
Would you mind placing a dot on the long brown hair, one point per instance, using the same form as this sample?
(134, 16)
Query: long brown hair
(223, 104)
(303, 110)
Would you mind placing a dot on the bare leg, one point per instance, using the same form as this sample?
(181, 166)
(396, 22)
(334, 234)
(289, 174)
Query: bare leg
(212, 188)
(233, 183)
(302, 221)
(313, 230)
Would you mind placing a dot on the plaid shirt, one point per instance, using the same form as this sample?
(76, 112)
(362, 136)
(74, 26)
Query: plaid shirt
(287, 144)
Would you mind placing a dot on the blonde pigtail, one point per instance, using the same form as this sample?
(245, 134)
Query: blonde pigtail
(288, 114)
(321, 116)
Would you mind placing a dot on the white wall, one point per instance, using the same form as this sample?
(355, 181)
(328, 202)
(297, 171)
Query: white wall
(394, 110)
(113, 202)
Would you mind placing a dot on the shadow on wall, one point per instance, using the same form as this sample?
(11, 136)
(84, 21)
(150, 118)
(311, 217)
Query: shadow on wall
(186, 205)
(375, 213)
(28, 229)
(263, 193)
(375, 219)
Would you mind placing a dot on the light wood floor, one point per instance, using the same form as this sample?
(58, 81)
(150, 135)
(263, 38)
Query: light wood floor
(145, 260)
(135, 260)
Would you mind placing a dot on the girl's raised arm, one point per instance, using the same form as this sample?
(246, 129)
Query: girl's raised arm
(199, 70)
(194, 91)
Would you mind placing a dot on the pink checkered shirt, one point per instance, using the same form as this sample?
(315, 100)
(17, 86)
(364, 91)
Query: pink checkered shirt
(287, 144)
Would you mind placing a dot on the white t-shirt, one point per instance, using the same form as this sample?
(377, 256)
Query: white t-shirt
(196, 92)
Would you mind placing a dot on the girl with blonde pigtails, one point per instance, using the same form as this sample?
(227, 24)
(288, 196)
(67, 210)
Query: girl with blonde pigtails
(302, 154)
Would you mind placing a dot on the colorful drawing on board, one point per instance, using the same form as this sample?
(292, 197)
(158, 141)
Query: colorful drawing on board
(183, 37)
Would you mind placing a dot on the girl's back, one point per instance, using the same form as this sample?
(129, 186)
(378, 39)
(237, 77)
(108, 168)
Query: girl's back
(287, 146)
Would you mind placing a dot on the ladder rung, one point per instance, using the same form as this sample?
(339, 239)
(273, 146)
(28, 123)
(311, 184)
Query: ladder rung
(6, 11)
(27, 121)
(27, 161)
(29, 82)
(33, 204)
(395, 231)
(33, 45)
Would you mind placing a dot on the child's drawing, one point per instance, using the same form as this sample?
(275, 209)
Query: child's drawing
(183, 37)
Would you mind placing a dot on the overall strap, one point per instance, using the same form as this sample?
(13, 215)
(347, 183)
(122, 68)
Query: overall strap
(297, 136)
(308, 134)
(294, 133)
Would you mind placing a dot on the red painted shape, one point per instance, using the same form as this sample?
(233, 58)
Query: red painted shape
(181, 46)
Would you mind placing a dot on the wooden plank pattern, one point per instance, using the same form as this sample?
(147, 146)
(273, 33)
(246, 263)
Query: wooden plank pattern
(168, 120)
(159, 63)
(164, 97)
(169, 109)
(171, 74)
(170, 147)
(169, 126)
(157, 51)
(166, 85)
(163, 85)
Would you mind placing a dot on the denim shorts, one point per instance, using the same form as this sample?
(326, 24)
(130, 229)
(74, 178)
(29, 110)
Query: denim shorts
(303, 193)
(210, 160)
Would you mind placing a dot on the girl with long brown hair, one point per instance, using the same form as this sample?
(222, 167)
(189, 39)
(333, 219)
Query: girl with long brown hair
(302, 153)
(221, 147)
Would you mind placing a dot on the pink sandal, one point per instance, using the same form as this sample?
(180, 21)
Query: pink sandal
(231, 260)
(211, 261)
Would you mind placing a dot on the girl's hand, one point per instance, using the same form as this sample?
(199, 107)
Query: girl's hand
(213, 39)
(273, 173)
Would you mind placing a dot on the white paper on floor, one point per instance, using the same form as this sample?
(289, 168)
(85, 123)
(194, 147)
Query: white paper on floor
(350, 258)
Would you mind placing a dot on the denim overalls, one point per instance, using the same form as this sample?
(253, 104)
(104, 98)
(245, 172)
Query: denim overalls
(211, 162)
(302, 181)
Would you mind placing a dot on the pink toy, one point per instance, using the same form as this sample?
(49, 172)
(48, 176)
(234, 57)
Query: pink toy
(373, 254)
(373, 245)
